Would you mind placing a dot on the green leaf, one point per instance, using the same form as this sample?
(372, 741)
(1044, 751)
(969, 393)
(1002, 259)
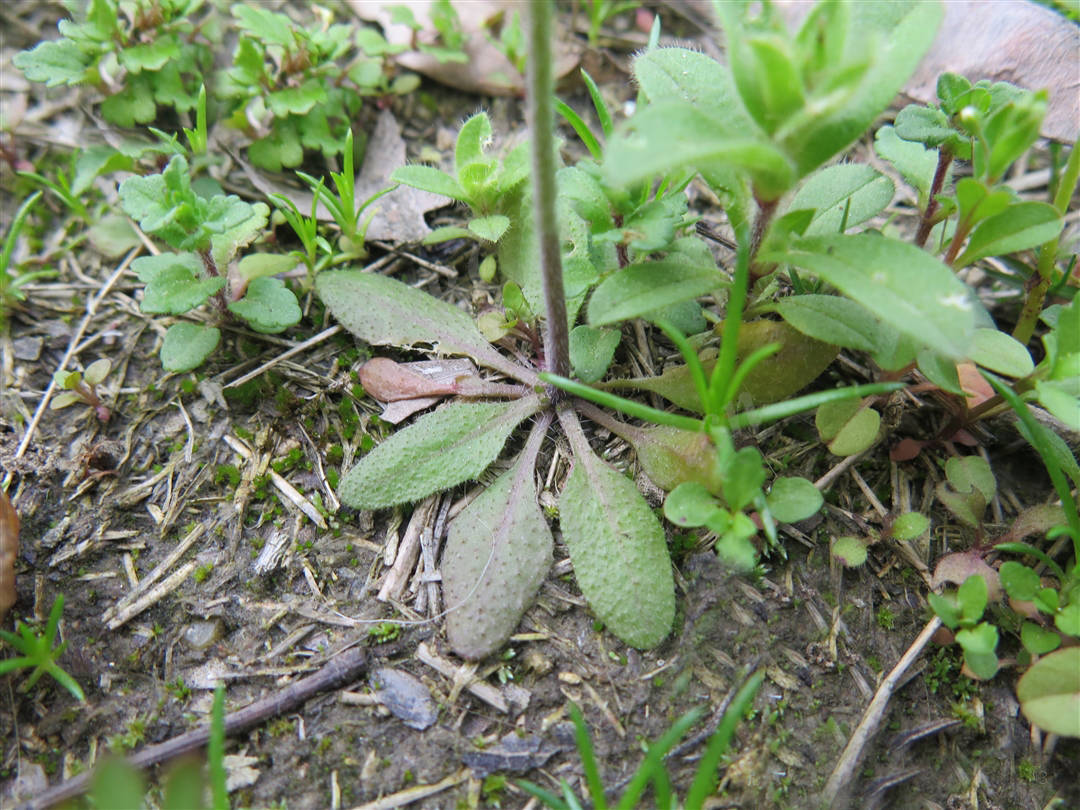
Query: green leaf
(675, 135)
(831, 319)
(924, 125)
(296, 100)
(54, 62)
(675, 384)
(793, 499)
(473, 137)
(652, 226)
(690, 504)
(176, 290)
(237, 225)
(847, 426)
(648, 286)
(490, 228)
(264, 24)
(1067, 619)
(1060, 400)
(1021, 226)
(971, 473)
(439, 450)
(96, 161)
(112, 235)
(972, 597)
(910, 525)
(915, 162)
(117, 784)
(941, 371)
(446, 233)
(946, 609)
(678, 73)
(385, 312)
(134, 104)
(256, 265)
(268, 306)
(428, 178)
(498, 552)
(904, 286)
(1049, 692)
(1002, 353)
(798, 362)
(150, 56)
(851, 189)
(618, 551)
(592, 350)
(851, 551)
(1038, 640)
(187, 345)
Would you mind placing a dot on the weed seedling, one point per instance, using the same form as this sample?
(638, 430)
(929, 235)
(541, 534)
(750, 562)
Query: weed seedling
(82, 387)
(37, 652)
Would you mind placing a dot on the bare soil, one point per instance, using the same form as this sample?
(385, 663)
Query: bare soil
(261, 595)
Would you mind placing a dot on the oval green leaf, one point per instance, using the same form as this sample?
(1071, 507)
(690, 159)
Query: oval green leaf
(649, 286)
(440, 450)
(1049, 692)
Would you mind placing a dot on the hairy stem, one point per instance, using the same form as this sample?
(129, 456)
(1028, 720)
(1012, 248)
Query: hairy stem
(1048, 252)
(926, 223)
(541, 117)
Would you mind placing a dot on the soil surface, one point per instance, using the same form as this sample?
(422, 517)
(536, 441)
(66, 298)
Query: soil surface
(184, 560)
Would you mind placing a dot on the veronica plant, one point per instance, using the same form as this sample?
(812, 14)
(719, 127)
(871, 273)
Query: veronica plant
(206, 233)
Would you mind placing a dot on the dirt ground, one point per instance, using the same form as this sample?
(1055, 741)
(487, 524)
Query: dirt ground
(184, 560)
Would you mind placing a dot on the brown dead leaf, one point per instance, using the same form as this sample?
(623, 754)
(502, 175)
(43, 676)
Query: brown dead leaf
(487, 71)
(9, 551)
(957, 567)
(437, 373)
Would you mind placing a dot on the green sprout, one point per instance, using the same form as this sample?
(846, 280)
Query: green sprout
(38, 652)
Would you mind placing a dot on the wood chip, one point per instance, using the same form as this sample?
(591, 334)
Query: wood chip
(484, 691)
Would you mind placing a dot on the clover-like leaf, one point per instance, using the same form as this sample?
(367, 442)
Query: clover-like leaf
(439, 450)
(268, 306)
(187, 345)
(792, 499)
(847, 426)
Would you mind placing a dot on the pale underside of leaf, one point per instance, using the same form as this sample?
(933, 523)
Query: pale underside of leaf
(440, 450)
(498, 553)
(385, 312)
(617, 547)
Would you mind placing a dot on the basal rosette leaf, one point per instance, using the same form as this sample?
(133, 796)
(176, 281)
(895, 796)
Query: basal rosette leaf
(440, 450)
(385, 312)
(187, 345)
(618, 550)
(497, 554)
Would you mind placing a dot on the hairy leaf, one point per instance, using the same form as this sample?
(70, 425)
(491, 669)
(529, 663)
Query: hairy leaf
(384, 312)
(850, 190)
(591, 351)
(498, 552)
(914, 161)
(1019, 227)
(440, 450)
(187, 345)
(648, 286)
(831, 319)
(269, 306)
(618, 551)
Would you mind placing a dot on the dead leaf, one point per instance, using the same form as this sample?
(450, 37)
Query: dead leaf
(405, 696)
(957, 567)
(512, 753)
(438, 373)
(9, 552)
(487, 71)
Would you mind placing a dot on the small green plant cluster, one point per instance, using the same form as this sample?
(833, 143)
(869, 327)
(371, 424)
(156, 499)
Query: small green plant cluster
(11, 279)
(652, 772)
(206, 233)
(39, 653)
(82, 387)
(140, 55)
(290, 88)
